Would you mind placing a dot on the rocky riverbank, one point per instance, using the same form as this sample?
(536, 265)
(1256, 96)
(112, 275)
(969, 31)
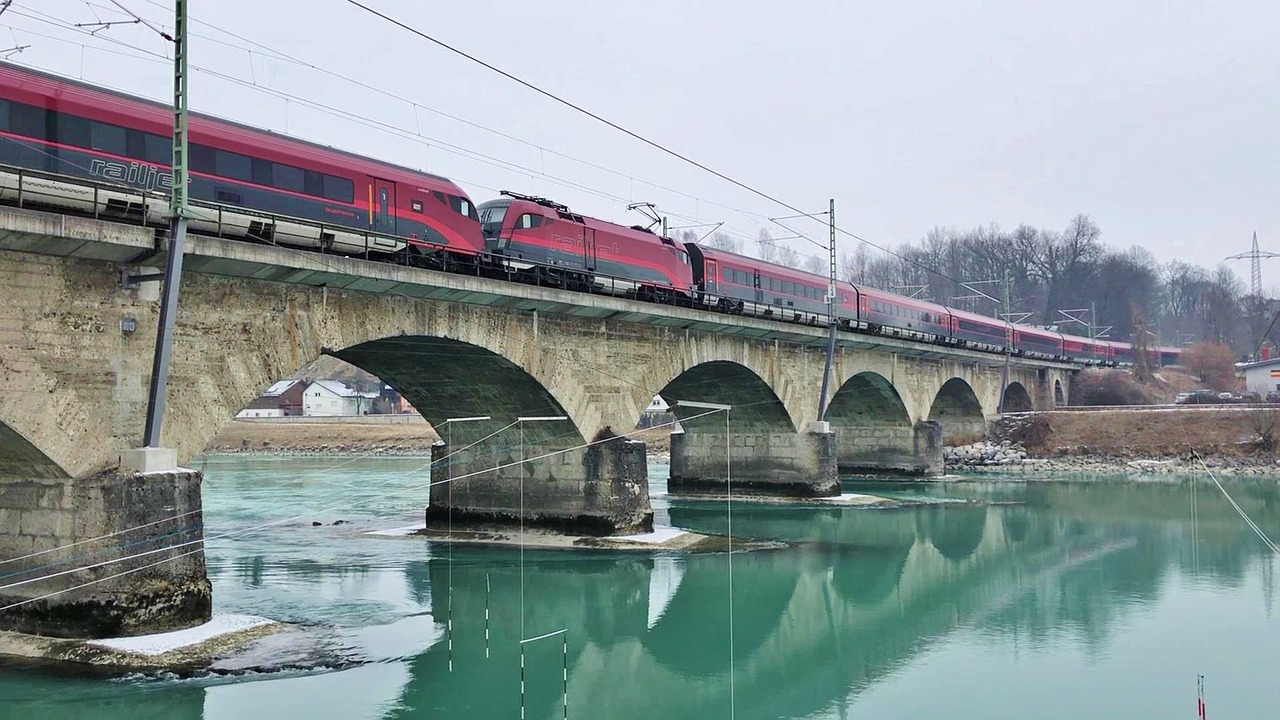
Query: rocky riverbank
(1006, 457)
(347, 437)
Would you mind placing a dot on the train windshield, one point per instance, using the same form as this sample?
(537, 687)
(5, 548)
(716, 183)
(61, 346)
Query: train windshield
(491, 215)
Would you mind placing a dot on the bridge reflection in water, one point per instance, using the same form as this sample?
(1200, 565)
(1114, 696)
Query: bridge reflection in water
(835, 625)
(862, 594)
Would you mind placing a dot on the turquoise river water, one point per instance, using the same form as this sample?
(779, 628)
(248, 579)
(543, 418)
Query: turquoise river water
(1049, 600)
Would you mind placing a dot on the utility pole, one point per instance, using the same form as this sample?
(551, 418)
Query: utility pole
(832, 299)
(1008, 342)
(158, 389)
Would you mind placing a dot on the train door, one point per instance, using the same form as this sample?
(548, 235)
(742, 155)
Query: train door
(755, 281)
(589, 248)
(710, 278)
(382, 204)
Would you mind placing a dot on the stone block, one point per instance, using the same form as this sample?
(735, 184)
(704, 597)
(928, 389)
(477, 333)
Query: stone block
(45, 523)
(149, 460)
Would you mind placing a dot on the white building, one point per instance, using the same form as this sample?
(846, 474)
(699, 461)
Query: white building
(260, 413)
(1261, 377)
(331, 398)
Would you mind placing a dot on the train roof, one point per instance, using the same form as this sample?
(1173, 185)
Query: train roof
(903, 300)
(76, 91)
(550, 208)
(781, 271)
(1083, 339)
(979, 317)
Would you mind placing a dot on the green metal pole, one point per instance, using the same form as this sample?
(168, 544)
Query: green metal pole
(158, 390)
(832, 299)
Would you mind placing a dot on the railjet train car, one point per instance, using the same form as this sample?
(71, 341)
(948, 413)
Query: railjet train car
(72, 147)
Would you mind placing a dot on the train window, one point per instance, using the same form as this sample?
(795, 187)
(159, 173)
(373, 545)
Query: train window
(313, 183)
(339, 189)
(288, 177)
(262, 174)
(157, 149)
(528, 221)
(463, 207)
(107, 138)
(72, 130)
(788, 287)
(232, 165)
(135, 143)
(416, 205)
(29, 120)
(201, 158)
(4, 114)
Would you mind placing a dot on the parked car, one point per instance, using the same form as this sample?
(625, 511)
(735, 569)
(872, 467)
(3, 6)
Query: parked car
(1251, 397)
(1204, 397)
(1273, 397)
(1183, 398)
(1226, 396)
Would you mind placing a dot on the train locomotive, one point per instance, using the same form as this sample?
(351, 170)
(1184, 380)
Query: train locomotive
(67, 146)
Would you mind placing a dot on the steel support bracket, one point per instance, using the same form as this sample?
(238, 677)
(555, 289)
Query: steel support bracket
(131, 277)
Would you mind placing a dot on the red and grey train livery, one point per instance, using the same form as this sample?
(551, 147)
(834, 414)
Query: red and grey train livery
(73, 147)
(535, 236)
(734, 283)
(346, 203)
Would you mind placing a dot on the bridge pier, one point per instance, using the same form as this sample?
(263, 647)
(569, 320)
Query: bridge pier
(909, 450)
(600, 490)
(762, 460)
(145, 514)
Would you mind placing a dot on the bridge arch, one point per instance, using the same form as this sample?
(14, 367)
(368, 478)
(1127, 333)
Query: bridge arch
(766, 451)
(1016, 399)
(872, 425)
(20, 459)
(957, 409)
(723, 382)
(444, 377)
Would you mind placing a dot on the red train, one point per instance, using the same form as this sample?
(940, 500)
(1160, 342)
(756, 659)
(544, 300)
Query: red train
(536, 237)
(72, 147)
(244, 181)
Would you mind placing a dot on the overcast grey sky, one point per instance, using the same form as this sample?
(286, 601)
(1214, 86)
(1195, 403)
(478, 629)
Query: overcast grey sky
(1159, 120)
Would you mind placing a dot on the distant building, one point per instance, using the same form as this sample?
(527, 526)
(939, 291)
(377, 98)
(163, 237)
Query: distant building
(282, 399)
(1261, 377)
(331, 398)
(658, 413)
(391, 402)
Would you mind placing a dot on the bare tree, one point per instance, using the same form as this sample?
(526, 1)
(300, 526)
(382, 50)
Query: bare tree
(766, 246)
(816, 265)
(787, 255)
(723, 241)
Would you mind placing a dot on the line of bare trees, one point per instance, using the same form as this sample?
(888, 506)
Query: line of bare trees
(1050, 271)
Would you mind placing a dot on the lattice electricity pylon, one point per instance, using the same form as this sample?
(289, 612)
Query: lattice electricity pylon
(1256, 256)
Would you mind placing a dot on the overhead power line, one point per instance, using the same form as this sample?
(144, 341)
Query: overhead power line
(409, 134)
(631, 133)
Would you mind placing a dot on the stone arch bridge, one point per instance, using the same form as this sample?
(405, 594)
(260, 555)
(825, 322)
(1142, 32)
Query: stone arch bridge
(76, 345)
(456, 346)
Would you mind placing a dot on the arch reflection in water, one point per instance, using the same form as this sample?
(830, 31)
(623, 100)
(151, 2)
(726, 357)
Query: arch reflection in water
(850, 606)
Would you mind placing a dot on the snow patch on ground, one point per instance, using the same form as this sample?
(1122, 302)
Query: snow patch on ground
(162, 643)
(398, 532)
(657, 537)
